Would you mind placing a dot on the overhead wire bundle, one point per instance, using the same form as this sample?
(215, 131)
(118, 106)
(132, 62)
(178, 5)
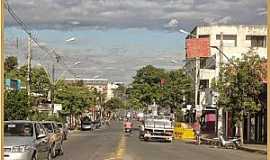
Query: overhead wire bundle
(50, 52)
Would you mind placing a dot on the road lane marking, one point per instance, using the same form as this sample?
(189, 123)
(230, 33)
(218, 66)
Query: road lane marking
(120, 151)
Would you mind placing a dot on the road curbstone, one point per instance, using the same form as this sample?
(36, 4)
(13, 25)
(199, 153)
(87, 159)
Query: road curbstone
(250, 149)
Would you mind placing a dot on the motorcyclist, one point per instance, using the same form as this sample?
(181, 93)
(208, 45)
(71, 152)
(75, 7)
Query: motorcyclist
(128, 125)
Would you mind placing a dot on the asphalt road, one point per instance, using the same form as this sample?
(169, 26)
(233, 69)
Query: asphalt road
(111, 144)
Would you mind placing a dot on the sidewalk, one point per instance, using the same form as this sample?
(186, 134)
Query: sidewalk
(259, 148)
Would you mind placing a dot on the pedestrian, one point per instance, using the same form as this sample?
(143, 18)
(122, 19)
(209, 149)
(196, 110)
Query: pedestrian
(197, 130)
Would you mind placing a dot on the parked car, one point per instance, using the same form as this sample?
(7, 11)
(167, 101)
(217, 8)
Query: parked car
(55, 138)
(25, 140)
(64, 130)
(86, 124)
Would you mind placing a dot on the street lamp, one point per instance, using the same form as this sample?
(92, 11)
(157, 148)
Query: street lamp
(72, 39)
(221, 52)
(187, 33)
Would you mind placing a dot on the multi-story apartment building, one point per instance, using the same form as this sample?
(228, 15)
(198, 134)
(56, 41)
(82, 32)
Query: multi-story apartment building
(233, 41)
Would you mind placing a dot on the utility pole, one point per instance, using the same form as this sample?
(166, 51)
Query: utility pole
(219, 111)
(197, 83)
(2, 79)
(29, 59)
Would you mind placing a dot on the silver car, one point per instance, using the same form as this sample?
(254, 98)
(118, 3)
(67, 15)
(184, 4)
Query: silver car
(25, 140)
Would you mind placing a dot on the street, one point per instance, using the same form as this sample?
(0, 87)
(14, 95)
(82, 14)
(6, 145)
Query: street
(110, 143)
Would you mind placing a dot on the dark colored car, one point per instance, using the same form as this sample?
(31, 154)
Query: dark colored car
(86, 124)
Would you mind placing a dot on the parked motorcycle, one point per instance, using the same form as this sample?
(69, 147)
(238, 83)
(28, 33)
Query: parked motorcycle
(230, 143)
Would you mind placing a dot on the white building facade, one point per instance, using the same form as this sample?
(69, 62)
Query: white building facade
(233, 41)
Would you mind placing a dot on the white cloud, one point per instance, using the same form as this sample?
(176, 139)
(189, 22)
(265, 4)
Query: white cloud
(173, 23)
(214, 20)
(261, 11)
(150, 14)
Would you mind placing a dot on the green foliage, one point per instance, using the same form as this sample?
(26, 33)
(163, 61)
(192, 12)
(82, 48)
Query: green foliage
(16, 107)
(241, 85)
(120, 92)
(43, 116)
(146, 86)
(40, 82)
(114, 103)
(11, 63)
(74, 99)
(178, 90)
(179, 115)
(157, 85)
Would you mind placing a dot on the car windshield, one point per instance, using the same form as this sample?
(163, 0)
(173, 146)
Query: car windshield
(86, 120)
(18, 129)
(48, 126)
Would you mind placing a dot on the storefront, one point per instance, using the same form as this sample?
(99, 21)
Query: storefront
(208, 120)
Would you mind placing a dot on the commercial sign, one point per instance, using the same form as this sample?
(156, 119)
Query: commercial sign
(210, 117)
(57, 107)
(197, 47)
(13, 84)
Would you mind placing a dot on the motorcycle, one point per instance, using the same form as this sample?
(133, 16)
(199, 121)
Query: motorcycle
(231, 143)
(128, 131)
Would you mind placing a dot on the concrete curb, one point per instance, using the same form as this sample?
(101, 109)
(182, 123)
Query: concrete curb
(249, 149)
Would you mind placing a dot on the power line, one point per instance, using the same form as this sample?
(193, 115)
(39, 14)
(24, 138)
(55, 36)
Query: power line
(45, 49)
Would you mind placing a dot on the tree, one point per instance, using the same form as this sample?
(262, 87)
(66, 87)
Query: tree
(100, 100)
(120, 92)
(40, 82)
(74, 99)
(114, 103)
(11, 63)
(240, 86)
(146, 87)
(178, 90)
(168, 89)
(16, 107)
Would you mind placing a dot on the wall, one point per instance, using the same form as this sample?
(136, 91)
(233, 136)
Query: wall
(242, 45)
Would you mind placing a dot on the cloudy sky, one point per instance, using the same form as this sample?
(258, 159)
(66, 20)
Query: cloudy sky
(114, 38)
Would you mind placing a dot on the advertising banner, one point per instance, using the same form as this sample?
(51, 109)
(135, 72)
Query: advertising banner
(197, 47)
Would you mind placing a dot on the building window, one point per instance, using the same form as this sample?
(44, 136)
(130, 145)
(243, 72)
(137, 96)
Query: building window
(228, 40)
(203, 63)
(257, 41)
(204, 36)
(207, 63)
(204, 84)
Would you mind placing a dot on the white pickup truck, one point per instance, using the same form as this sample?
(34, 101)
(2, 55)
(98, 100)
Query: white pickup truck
(157, 127)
